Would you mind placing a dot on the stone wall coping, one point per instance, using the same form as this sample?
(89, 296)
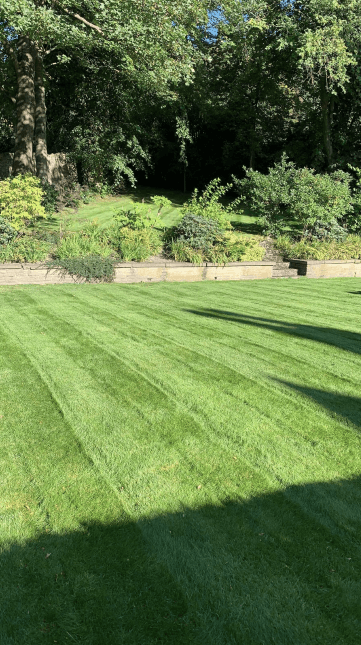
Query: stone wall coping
(306, 262)
(34, 266)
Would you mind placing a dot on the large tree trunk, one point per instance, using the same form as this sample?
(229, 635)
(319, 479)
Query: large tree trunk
(41, 150)
(25, 108)
(327, 104)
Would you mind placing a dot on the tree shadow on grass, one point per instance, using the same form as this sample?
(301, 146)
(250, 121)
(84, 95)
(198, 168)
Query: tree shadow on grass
(279, 568)
(346, 408)
(347, 340)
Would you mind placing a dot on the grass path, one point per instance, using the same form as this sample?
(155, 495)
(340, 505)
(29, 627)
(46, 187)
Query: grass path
(180, 463)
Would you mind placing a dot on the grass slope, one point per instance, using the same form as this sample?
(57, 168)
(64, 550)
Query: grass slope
(181, 463)
(103, 211)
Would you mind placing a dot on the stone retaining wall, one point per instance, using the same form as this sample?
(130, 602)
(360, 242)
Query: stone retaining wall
(327, 268)
(127, 273)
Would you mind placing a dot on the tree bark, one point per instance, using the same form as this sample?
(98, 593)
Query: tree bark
(25, 108)
(327, 116)
(41, 150)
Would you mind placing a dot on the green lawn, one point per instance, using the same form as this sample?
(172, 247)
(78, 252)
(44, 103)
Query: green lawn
(103, 211)
(180, 463)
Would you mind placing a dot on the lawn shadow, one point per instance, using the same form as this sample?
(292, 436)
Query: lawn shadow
(239, 572)
(346, 408)
(252, 228)
(347, 340)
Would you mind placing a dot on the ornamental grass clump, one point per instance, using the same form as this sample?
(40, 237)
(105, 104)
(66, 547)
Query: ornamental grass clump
(91, 241)
(305, 249)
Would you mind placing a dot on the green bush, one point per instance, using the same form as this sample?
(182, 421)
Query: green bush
(354, 219)
(91, 241)
(208, 204)
(7, 232)
(161, 202)
(315, 201)
(320, 250)
(50, 197)
(21, 200)
(233, 247)
(25, 248)
(136, 217)
(90, 268)
(242, 247)
(137, 245)
(198, 232)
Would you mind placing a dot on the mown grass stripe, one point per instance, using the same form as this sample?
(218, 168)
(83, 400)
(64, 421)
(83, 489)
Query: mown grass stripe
(245, 558)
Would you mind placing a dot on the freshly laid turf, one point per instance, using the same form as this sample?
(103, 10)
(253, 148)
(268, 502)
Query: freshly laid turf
(180, 463)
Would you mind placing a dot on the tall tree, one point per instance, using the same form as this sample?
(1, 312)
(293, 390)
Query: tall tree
(153, 42)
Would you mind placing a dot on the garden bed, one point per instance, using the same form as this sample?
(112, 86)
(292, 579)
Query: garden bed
(130, 272)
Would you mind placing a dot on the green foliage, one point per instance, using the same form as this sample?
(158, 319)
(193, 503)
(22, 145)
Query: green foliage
(25, 248)
(137, 217)
(198, 232)
(7, 232)
(92, 268)
(305, 249)
(181, 251)
(91, 241)
(327, 231)
(198, 243)
(21, 200)
(240, 247)
(209, 206)
(50, 197)
(354, 219)
(137, 245)
(161, 201)
(316, 201)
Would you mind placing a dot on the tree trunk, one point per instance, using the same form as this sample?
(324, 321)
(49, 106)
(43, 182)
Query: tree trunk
(41, 150)
(25, 108)
(327, 109)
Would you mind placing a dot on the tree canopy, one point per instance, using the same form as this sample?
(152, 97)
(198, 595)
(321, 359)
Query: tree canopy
(180, 90)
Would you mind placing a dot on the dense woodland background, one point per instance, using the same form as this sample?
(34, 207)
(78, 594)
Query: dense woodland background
(173, 94)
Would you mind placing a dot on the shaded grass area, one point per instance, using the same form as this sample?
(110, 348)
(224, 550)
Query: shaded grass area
(103, 211)
(181, 463)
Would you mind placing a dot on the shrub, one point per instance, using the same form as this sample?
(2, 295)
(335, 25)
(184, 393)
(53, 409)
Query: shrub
(137, 245)
(317, 202)
(232, 247)
(91, 268)
(136, 217)
(21, 200)
(161, 202)
(320, 250)
(354, 219)
(182, 252)
(242, 247)
(198, 231)
(208, 204)
(25, 248)
(50, 197)
(7, 232)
